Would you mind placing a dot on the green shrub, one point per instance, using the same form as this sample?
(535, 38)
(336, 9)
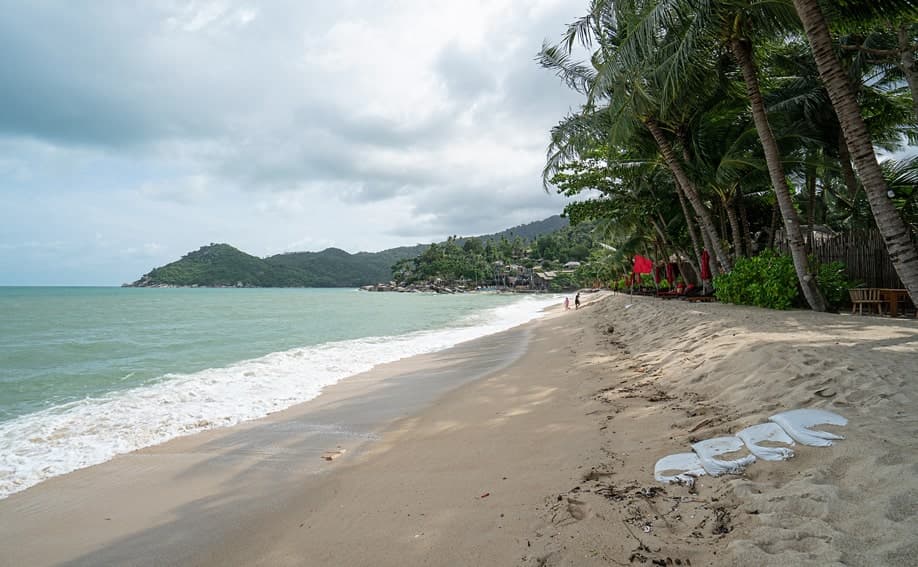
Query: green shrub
(834, 284)
(767, 280)
(562, 282)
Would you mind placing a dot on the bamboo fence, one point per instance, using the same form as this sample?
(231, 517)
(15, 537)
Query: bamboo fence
(863, 252)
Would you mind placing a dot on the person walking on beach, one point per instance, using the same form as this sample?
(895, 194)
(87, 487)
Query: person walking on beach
(567, 304)
(577, 301)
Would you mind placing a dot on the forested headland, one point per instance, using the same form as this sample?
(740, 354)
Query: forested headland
(222, 265)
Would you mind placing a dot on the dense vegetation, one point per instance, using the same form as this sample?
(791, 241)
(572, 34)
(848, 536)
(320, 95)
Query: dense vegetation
(491, 261)
(221, 265)
(729, 125)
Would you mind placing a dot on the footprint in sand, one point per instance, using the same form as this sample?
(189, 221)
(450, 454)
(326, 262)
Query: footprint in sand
(570, 510)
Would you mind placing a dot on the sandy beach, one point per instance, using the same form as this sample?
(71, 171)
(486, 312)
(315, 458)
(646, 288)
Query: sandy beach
(532, 447)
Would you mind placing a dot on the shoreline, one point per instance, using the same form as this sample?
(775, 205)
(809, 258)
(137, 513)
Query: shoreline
(547, 460)
(344, 417)
(233, 386)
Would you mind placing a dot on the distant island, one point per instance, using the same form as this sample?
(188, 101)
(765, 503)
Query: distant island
(222, 265)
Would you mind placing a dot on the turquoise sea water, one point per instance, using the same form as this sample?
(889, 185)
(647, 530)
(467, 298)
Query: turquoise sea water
(87, 373)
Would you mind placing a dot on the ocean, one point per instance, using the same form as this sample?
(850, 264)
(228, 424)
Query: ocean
(90, 373)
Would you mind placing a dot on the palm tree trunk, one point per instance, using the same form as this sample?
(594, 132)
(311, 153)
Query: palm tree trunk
(902, 251)
(747, 230)
(907, 63)
(773, 237)
(682, 135)
(690, 224)
(708, 244)
(844, 160)
(707, 224)
(743, 53)
(811, 204)
(659, 231)
(730, 207)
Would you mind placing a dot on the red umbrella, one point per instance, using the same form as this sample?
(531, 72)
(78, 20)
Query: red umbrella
(642, 265)
(705, 265)
(671, 273)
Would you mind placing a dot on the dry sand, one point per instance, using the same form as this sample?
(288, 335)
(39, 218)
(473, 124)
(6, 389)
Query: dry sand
(546, 461)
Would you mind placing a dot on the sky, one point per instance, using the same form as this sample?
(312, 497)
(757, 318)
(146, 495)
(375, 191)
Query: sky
(134, 132)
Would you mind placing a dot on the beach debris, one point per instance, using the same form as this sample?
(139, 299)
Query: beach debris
(681, 468)
(782, 429)
(709, 449)
(721, 521)
(485, 495)
(797, 424)
(770, 432)
(332, 455)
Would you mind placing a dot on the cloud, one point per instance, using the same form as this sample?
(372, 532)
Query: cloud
(356, 124)
(465, 74)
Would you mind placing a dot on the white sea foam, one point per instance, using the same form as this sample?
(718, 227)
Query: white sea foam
(62, 439)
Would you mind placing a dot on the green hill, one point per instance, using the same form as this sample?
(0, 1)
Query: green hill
(530, 231)
(333, 267)
(221, 265)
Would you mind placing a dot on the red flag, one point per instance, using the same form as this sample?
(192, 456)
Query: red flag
(705, 265)
(642, 265)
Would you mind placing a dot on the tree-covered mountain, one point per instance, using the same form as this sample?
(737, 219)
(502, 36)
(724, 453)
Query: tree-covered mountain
(221, 265)
(334, 267)
(528, 232)
(501, 261)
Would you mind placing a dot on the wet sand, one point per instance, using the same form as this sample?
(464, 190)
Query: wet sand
(182, 501)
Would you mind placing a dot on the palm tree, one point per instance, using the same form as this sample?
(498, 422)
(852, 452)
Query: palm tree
(629, 89)
(728, 23)
(635, 204)
(727, 161)
(902, 250)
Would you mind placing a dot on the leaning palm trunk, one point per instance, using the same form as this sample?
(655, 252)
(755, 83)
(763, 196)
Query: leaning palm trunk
(730, 207)
(690, 224)
(907, 64)
(844, 160)
(743, 53)
(902, 251)
(679, 191)
(704, 217)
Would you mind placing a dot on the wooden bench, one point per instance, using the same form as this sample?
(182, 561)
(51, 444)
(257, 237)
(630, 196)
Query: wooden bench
(865, 296)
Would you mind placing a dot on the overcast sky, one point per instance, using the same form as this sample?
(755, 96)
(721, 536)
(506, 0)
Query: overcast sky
(130, 135)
